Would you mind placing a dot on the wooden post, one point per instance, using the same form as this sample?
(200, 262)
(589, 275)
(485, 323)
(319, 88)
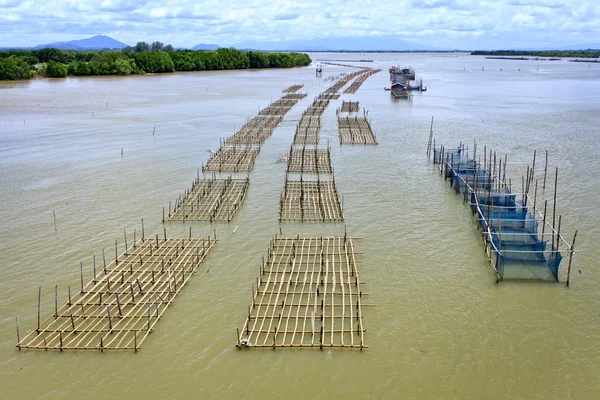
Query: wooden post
(18, 336)
(125, 235)
(116, 253)
(55, 301)
(38, 309)
(142, 229)
(545, 170)
(81, 274)
(571, 258)
(104, 261)
(554, 203)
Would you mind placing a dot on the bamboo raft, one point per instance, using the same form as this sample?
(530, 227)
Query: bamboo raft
(232, 159)
(313, 160)
(328, 96)
(310, 201)
(274, 110)
(119, 308)
(313, 111)
(284, 103)
(308, 294)
(307, 135)
(355, 131)
(249, 135)
(310, 122)
(350, 106)
(293, 88)
(294, 96)
(209, 200)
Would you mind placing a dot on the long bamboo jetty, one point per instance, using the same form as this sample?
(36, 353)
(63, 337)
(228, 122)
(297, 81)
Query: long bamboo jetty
(360, 80)
(209, 200)
(309, 160)
(121, 305)
(232, 159)
(522, 241)
(310, 201)
(355, 131)
(308, 294)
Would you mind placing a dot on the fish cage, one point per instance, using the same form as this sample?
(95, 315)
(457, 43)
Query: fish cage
(522, 240)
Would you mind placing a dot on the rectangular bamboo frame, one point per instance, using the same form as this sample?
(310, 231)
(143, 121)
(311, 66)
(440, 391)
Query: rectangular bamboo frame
(311, 160)
(210, 200)
(355, 131)
(119, 308)
(310, 201)
(350, 106)
(232, 159)
(308, 295)
(293, 88)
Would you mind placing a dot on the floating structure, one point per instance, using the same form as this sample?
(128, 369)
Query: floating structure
(294, 96)
(209, 200)
(307, 135)
(349, 106)
(232, 159)
(355, 131)
(119, 308)
(310, 201)
(256, 130)
(274, 110)
(293, 88)
(521, 240)
(284, 103)
(308, 294)
(328, 96)
(311, 160)
(400, 81)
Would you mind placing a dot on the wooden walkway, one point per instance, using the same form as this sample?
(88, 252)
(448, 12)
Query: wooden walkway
(210, 200)
(355, 131)
(232, 159)
(119, 308)
(308, 294)
(315, 201)
(311, 160)
(293, 88)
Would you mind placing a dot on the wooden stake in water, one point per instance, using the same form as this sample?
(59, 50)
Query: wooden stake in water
(571, 258)
(54, 214)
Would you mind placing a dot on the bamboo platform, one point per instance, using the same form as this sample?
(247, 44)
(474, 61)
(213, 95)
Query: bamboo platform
(293, 88)
(355, 131)
(209, 200)
(309, 122)
(232, 159)
(308, 294)
(284, 103)
(249, 135)
(310, 201)
(313, 111)
(306, 136)
(119, 308)
(296, 96)
(274, 110)
(312, 160)
(350, 106)
(328, 96)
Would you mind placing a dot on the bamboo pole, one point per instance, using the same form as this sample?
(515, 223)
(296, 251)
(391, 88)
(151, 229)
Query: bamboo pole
(571, 258)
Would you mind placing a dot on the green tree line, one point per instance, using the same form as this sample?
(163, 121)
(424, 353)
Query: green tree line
(546, 53)
(139, 59)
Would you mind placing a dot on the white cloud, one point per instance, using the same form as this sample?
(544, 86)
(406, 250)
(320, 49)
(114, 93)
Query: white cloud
(447, 23)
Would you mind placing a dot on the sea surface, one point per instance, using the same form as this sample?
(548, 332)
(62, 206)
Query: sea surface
(102, 153)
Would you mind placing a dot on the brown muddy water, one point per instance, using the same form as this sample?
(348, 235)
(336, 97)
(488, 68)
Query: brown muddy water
(441, 327)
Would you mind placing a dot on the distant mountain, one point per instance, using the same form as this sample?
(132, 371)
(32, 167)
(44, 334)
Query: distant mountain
(203, 46)
(371, 43)
(94, 43)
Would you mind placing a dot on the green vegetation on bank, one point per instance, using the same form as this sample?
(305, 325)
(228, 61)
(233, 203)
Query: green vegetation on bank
(546, 53)
(139, 59)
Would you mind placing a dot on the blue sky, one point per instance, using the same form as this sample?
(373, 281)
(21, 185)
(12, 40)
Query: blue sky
(463, 24)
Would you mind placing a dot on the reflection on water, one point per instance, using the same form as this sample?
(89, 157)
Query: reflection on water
(441, 327)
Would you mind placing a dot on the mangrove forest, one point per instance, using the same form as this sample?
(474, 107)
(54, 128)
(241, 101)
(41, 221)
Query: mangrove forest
(139, 59)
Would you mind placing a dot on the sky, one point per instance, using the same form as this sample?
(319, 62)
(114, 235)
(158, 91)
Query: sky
(453, 24)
